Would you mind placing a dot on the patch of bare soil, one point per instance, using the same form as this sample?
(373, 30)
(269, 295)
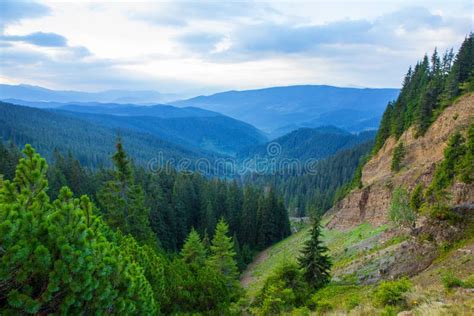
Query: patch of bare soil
(247, 277)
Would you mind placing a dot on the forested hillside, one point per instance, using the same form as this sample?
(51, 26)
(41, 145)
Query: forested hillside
(427, 90)
(311, 193)
(90, 143)
(307, 144)
(216, 133)
(178, 133)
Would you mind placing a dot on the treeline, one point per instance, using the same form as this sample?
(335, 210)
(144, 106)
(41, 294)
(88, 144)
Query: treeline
(142, 243)
(427, 89)
(314, 192)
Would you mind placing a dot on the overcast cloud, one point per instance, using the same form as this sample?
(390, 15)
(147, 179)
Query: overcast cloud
(203, 47)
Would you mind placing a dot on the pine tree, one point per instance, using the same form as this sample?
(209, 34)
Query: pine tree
(268, 229)
(416, 199)
(449, 167)
(123, 201)
(248, 231)
(55, 258)
(234, 202)
(314, 259)
(398, 156)
(223, 254)
(283, 222)
(185, 204)
(462, 69)
(193, 251)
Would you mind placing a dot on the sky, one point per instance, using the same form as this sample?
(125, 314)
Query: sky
(201, 47)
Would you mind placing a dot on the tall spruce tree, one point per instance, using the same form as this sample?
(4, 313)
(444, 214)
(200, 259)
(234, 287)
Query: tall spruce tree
(123, 201)
(314, 259)
(248, 231)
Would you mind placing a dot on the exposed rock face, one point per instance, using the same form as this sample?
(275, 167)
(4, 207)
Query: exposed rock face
(371, 203)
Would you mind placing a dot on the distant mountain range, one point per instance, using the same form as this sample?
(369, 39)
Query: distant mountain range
(283, 109)
(35, 93)
(307, 122)
(276, 111)
(89, 142)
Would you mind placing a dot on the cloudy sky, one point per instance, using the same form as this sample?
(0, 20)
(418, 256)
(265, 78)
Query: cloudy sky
(203, 47)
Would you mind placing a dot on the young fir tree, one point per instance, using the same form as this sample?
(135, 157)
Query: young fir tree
(223, 253)
(447, 169)
(123, 201)
(193, 252)
(416, 198)
(397, 157)
(314, 260)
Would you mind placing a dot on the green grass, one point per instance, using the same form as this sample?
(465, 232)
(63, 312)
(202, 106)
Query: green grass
(340, 297)
(338, 242)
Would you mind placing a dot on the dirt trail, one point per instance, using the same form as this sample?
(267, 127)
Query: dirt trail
(247, 276)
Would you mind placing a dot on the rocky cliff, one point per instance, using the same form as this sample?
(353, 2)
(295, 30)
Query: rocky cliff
(371, 203)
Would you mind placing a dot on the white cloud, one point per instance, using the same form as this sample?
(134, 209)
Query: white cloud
(208, 46)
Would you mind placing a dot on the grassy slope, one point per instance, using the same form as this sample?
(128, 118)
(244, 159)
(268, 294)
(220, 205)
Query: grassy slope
(339, 243)
(429, 297)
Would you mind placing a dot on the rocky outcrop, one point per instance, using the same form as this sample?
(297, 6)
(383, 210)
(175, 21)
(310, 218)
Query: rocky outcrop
(371, 203)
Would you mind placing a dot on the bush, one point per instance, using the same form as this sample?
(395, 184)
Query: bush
(469, 282)
(284, 289)
(276, 299)
(392, 292)
(450, 280)
(334, 295)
